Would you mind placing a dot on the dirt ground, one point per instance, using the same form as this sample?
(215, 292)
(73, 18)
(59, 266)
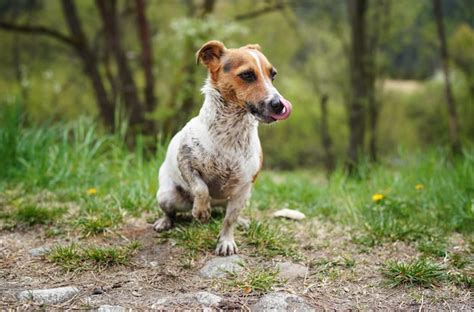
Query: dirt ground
(155, 271)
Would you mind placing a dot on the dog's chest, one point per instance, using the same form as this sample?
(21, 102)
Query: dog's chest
(224, 173)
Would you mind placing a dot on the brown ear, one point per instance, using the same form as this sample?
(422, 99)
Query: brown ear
(210, 52)
(255, 46)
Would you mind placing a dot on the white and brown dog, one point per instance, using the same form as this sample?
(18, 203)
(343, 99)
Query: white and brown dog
(216, 157)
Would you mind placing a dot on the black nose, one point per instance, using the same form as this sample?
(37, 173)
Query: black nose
(276, 105)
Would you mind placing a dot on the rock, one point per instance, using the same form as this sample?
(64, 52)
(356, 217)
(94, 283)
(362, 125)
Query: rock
(98, 291)
(110, 308)
(39, 251)
(291, 271)
(280, 301)
(289, 214)
(48, 296)
(202, 299)
(219, 266)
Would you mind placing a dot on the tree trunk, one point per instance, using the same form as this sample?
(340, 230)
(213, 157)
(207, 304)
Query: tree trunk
(147, 61)
(108, 12)
(453, 118)
(189, 67)
(380, 10)
(359, 97)
(326, 138)
(89, 60)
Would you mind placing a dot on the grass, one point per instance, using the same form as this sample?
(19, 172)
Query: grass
(195, 237)
(68, 160)
(75, 258)
(269, 241)
(31, 215)
(253, 279)
(420, 272)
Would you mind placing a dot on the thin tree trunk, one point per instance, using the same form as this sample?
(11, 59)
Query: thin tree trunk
(453, 118)
(325, 137)
(147, 60)
(380, 11)
(189, 67)
(357, 105)
(108, 12)
(89, 60)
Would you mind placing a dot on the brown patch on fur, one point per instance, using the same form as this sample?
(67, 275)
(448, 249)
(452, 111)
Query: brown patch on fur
(225, 65)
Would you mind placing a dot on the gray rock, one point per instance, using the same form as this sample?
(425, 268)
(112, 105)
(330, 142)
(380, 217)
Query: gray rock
(48, 296)
(291, 271)
(281, 302)
(110, 308)
(219, 266)
(202, 299)
(39, 251)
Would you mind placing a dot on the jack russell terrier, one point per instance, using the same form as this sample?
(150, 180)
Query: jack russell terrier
(216, 157)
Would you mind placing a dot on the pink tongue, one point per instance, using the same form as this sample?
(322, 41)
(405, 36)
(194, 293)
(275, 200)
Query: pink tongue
(285, 113)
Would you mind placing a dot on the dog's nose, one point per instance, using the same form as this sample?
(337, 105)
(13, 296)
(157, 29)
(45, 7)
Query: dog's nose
(276, 105)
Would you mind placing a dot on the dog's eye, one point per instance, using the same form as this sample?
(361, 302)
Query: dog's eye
(273, 74)
(248, 76)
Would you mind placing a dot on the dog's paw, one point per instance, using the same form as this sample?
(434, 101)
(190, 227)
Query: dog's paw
(203, 215)
(163, 224)
(226, 247)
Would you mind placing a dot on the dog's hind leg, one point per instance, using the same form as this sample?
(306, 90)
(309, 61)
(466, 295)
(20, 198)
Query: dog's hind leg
(171, 199)
(226, 245)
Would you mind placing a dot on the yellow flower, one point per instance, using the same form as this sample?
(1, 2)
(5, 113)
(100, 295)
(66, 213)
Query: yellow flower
(92, 191)
(419, 187)
(377, 197)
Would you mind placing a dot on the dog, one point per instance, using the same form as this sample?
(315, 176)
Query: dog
(217, 156)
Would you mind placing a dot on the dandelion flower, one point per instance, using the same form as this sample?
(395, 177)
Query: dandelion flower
(377, 197)
(419, 187)
(92, 191)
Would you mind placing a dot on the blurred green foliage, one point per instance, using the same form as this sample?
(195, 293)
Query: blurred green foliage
(307, 41)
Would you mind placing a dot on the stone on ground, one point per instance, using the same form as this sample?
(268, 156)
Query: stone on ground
(48, 296)
(110, 308)
(201, 299)
(279, 301)
(39, 251)
(291, 271)
(219, 266)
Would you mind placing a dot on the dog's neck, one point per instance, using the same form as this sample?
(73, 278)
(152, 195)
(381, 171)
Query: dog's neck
(229, 124)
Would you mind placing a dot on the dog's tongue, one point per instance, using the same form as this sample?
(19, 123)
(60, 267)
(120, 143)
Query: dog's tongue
(286, 111)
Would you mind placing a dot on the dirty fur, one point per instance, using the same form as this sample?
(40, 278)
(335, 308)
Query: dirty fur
(216, 157)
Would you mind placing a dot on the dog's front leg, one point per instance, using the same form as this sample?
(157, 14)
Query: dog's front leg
(226, 245)
(201, 199)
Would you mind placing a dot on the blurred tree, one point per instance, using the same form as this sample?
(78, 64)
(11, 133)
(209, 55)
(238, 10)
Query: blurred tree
(147, 61)
(453, 118)
(357, 10)
(462, 53)
(89, 60)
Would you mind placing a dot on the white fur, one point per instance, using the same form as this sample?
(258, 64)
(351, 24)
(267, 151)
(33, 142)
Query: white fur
(218, 140)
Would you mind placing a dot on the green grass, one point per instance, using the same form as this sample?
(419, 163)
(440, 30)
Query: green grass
(269, 241)
(253, 279)
(31, 215)
(195, 237)
(420, 272)
(66, 160)
(74, 257)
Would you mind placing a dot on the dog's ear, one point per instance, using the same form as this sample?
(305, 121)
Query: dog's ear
(210, 53)
(255, 46)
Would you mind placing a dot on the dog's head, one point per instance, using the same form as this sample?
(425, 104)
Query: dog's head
(244, 77)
